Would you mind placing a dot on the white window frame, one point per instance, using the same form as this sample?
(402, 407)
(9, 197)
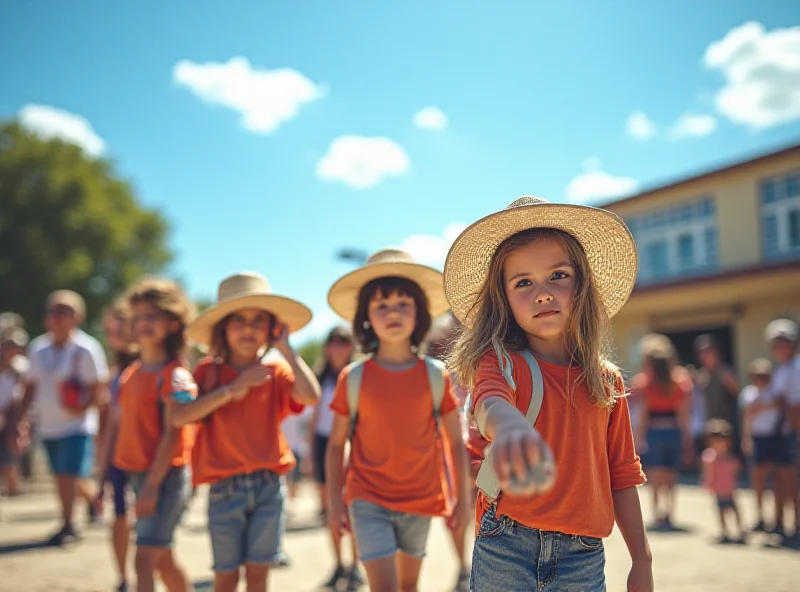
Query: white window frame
(780, 209)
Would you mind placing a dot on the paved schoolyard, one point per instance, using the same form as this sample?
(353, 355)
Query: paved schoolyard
(684, 561)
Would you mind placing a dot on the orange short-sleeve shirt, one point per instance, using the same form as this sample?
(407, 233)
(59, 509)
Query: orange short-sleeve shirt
(244, 436)
(592, 448)
(658, 400)
(142, 394)
(395, 459)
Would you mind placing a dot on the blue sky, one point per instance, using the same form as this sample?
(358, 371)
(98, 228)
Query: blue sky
(569, 101)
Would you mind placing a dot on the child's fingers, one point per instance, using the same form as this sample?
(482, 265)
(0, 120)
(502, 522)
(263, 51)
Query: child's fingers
(516, 459)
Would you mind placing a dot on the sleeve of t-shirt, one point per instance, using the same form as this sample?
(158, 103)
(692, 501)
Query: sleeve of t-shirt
(182, 386)
(490, 382)
(624, 465)
(92, 365)
(339, 403)
(284, 387)
(34, 367)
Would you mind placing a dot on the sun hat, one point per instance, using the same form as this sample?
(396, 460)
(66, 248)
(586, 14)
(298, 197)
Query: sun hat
(343, 295)
(70, 299)
(760, 367)
(781, 329)
(606, 240)
(247, 289)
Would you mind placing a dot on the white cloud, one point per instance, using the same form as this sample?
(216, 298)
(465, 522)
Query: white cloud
(432, 250)
(594, 184)
(430, 118)
(266, 99)
(362, 163)
(692, 125)
(51, 123)
(762, 74)
(640, 127)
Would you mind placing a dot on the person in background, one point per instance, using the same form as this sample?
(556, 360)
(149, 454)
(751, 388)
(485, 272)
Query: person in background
(721, 470)
(698, 418)
(65, 383)
(13, 368)
(782, 338)
(295, 427)
(718, 384)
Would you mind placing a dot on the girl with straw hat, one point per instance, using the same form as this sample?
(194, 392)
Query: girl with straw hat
(240, 450)
(391, 407)
(534, 286)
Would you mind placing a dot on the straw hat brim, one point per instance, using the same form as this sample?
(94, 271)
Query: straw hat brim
(606, 240)
(343, 295)
(286, 310)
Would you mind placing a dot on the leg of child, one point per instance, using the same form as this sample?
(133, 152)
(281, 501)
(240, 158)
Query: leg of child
(408, 568)
(11, 477)
(738, 518)
(782, 488)
(723, 529)
(256, 576)
(172, 574)
(146, 561)
(226, 581)
(120, 540)
(412, 537)
(382, 574)
(759, 476)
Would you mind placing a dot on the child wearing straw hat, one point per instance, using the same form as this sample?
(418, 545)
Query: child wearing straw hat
(394, 407)
(535, 285)
(240, 450)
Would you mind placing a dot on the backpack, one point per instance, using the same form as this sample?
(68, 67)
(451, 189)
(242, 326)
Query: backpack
(486, 479)
(435, 370)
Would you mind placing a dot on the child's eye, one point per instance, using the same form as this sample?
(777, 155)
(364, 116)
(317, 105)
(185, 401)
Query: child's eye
(560, 275)
(523, 283)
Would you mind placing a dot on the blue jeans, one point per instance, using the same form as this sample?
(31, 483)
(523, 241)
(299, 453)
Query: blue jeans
(381, 532)
(246, 519)
(510, 557)
(158, 529)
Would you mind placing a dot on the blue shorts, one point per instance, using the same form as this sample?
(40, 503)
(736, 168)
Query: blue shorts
(119, 483)
(381, 532)
(246, 519)
(778, 449)
(158, 529)
(510, 556)
(71, 456)
(664, 449)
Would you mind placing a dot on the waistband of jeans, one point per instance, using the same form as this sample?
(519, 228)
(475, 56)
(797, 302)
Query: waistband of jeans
(249, 479)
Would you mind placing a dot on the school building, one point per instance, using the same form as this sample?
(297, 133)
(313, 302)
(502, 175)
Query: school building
(718, 253)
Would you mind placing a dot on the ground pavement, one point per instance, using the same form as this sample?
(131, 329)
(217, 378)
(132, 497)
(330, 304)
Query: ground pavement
(686, 561)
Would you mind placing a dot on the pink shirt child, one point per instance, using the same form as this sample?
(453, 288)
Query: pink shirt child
(719, 472)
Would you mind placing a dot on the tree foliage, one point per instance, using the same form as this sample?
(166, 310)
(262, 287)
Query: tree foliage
(69, 221)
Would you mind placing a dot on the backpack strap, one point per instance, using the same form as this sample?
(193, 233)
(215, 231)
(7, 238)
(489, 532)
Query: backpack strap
(487, 480)
(354, 376)
(435, 370)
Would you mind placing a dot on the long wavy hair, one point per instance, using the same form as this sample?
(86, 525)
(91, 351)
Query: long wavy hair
(587, 336)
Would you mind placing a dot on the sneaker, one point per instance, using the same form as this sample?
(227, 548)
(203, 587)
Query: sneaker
(724, 540)
(338, 574)
(354, 579)
(63, 537)
(778, 530)
(95, 512)
(462, 583)
(123, 587)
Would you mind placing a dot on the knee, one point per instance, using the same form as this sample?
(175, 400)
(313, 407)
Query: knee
(256, 575)
(147, 559)
(226, 581)
(408, 587)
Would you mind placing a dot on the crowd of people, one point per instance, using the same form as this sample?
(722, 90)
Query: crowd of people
(483, 393)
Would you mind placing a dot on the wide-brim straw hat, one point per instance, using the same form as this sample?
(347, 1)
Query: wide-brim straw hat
(247, 289)
(343, 295)
(605, 239)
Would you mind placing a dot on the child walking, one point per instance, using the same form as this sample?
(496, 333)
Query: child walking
(535, 286)
(720, 472)
(241, 451)
(155, 455)
(390, 406)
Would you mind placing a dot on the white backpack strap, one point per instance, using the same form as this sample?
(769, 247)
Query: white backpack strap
(435, 370)
(354, 376)
(487, 480)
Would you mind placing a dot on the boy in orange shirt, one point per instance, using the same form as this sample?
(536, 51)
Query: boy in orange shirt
(241, 451)
(387, 407)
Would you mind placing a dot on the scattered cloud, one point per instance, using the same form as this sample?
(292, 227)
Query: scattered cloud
(594, 184)
(51, 123)
(762, 74)
(432, 250)
(692, 125)
(430, 118)
(265, 99)
(362, 163)
(640, 127)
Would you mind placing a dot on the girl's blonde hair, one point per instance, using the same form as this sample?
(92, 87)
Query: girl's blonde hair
(168, 297)
(587, 337)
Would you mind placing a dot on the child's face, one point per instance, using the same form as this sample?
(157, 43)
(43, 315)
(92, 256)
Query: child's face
(247, 331)
(782, 350)
(116, 332)
(151, 326)
(721, 444)
(393, 317)
(338, 352)
(759, 380)
(709, 357)
(539, 281)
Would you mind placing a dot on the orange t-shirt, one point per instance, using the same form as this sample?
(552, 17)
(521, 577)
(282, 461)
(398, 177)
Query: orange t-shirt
(141, 422)
(592, 448)
(244, 436)
(395, 459)
(657, 400)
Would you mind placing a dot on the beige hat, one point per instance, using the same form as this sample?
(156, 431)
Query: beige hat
(781, 329)
(606, 240)
(247, 289)
(760, 367)
(69, 299)
(343, 295)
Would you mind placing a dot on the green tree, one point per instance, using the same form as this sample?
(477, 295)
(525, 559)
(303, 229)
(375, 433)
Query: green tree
(311, 351)
(69, 221)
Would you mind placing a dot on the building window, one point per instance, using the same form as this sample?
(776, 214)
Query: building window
(676, 241)
(780, 216)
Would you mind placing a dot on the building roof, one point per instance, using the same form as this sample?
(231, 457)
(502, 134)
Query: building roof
(787, 151)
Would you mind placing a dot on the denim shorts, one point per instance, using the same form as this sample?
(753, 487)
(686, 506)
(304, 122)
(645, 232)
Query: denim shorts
(71, 456)
(778, 449)
(246, 519)
(509, 556)
(158, 529)
(381, 532)
(664, 448)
